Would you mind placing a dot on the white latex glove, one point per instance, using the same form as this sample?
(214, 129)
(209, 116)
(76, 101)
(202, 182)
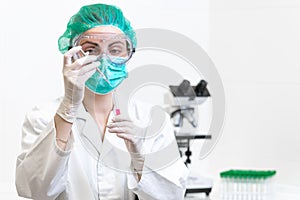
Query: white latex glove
(75, 75)
(124, 128)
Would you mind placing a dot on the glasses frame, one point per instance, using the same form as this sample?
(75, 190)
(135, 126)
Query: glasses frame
(98, 36)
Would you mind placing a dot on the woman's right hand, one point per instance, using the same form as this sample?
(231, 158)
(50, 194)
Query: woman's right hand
(75, 75)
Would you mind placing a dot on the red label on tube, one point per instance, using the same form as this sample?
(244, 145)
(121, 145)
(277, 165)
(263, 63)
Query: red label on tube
(118, 112)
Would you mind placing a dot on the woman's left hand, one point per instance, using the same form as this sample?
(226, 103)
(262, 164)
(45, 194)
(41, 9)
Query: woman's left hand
(124, 128)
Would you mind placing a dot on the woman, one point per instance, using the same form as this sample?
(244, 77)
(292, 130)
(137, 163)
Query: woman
(81, 146)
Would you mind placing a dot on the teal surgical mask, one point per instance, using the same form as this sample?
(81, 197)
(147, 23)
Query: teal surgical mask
(107, 77)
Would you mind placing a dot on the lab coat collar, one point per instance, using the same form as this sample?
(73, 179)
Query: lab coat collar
(89, 133)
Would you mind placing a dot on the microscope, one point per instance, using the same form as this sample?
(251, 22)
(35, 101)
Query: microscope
(184, 114)
(184, 106)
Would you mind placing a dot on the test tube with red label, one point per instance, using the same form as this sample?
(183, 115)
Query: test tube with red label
(117, 110)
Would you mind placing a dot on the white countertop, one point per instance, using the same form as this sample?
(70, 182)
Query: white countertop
(283, 192)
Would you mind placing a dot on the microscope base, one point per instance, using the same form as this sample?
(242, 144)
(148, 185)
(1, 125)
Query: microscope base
(198, 184)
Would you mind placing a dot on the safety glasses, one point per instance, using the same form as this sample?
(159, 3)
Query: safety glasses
(117, 48)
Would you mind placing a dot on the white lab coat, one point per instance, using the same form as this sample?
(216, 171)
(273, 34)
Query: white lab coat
(91, 169)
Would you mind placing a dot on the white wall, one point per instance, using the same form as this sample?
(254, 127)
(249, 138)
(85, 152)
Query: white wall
(255, 46)
(31, 64)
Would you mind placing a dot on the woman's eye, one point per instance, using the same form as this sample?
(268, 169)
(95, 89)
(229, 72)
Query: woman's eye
(117, 50)
(114, 51)
(91, 51)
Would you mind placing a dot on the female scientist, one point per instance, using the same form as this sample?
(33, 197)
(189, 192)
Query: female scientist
(71, 147)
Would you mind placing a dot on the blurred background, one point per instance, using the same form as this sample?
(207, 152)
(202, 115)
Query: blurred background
(253, 44)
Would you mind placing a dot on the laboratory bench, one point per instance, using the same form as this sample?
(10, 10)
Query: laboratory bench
(282, 192)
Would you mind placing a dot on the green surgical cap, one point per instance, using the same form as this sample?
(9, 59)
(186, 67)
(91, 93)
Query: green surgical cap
(91, 16)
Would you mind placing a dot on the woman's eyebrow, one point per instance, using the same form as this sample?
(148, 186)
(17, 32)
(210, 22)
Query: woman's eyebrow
(115, 43)
(94, 43)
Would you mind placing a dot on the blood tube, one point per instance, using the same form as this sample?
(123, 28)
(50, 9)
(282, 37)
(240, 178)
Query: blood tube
(117, 110)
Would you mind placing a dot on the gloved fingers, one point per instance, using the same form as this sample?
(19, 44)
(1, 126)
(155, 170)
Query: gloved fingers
(68, 72)
(119, 118)
(88, 68)
(69, 54)
(126, 137)
(84, 77)
(81, 62)
(88, 72)
(125, 130)
(120, 124)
